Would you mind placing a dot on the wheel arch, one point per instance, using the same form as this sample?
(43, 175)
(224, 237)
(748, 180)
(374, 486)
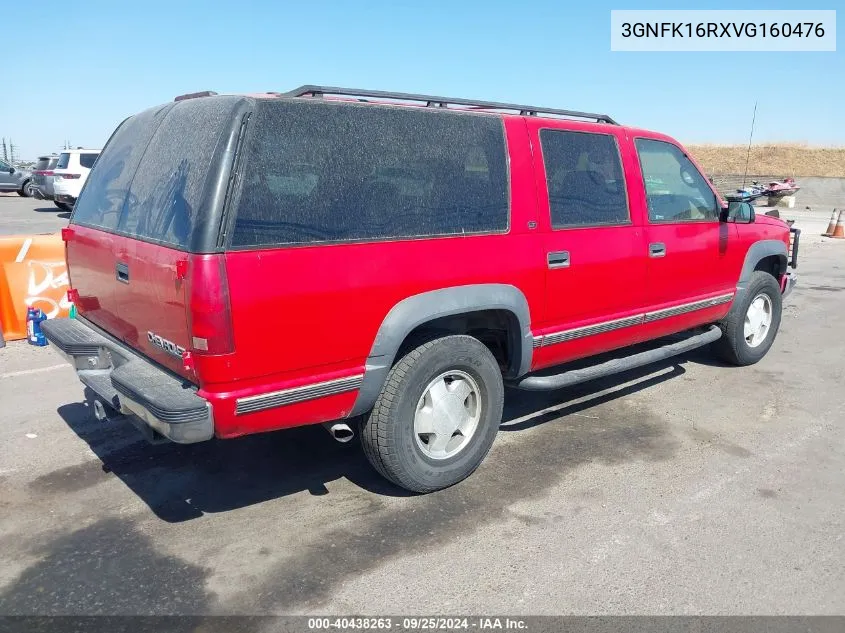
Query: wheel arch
(763, 255)
(428, 307)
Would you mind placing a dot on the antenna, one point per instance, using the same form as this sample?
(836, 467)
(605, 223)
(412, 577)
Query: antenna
(748, 153)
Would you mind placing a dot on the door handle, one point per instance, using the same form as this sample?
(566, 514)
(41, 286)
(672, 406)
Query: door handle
(122, 272)
(657, 249)
(558, 259)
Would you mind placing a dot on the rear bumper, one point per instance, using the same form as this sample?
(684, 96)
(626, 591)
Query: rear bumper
(155, 400)
(63, 197)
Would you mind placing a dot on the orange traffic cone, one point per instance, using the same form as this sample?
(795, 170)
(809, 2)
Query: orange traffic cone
(839, 231)
(831, 226)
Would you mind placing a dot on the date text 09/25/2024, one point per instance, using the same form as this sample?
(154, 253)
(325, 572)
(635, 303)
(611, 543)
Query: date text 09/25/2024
(417, 624)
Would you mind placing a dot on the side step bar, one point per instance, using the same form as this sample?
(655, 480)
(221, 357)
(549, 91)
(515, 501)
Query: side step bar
(617, 365)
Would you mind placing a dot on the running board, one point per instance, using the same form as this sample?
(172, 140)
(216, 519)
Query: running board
(617, 365)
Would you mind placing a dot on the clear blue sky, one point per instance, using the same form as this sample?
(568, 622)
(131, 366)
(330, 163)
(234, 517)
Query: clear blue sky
(73, 71)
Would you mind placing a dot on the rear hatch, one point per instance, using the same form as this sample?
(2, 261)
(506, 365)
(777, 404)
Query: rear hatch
(153, 197)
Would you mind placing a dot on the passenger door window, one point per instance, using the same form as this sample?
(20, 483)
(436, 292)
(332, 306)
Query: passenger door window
(676, 191)
(584, 179)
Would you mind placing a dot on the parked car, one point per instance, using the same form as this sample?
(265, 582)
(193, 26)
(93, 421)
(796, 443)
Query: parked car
(70, 173)
(14, 179)
(42, 177)
(242, 264)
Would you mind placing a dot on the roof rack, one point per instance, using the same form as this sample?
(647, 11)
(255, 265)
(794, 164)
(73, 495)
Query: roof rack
(443, 102)
(196, 95)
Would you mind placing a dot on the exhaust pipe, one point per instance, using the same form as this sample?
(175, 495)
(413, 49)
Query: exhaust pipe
(340, 431)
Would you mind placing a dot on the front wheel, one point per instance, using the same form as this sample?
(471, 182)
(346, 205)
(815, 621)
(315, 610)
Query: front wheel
(437, 414)
(752, 324)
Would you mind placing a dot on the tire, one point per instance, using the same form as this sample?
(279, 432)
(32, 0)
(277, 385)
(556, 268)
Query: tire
(734, 347)
(390, 434)
(62, 205)
(26, 190)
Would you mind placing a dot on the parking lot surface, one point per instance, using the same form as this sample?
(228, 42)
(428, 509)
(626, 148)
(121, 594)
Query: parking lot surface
(688, 487)
(27, 216)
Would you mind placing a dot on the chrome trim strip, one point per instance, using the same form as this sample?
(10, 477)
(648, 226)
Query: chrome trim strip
(251, 404)
(542, 340)
(687, 307)
(589, 330)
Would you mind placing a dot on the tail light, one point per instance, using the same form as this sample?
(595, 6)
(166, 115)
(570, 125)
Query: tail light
(208, 307)
(68, 176)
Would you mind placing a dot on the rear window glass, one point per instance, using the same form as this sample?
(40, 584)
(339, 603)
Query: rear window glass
(52, 163)
(329, 172)
(87, 160)
(169, 186)
(42, 164)
(107, 187)
(149, 182)
(64, 161)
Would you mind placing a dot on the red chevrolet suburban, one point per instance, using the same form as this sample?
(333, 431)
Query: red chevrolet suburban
(388, 262)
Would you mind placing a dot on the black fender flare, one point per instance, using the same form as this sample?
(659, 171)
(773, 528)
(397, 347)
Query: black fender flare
(422, 308)
(757, 252)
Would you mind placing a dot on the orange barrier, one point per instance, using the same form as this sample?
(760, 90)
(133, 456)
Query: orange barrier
(32, 273)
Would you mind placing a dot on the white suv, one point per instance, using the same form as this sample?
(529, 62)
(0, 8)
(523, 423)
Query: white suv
(70, 174)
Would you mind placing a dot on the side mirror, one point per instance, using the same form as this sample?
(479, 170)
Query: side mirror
(739, 212)
(11, 170)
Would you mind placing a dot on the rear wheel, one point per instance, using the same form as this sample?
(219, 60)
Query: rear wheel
(26, 190)
(64, 206)
(752, 324)
(437, 414)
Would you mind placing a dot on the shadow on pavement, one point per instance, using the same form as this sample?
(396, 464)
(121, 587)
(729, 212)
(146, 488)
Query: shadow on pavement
(182, 482)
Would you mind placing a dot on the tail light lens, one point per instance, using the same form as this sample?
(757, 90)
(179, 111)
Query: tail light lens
(68, 176)
(209, 309)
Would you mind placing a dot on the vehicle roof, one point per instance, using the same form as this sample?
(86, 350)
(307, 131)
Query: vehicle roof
(79, 151)
(503, 110)
(382, 97)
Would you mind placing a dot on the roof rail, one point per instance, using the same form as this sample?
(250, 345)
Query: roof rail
(443, 102)
(196, 95)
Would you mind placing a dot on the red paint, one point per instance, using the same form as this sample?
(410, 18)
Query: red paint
(280, 318)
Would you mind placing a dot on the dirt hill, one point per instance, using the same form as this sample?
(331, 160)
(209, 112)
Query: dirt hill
(780, 159)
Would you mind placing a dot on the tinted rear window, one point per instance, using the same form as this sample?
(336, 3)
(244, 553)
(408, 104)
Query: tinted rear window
(64, 161)
(150, 181)
(107, 187)
(52, 163)
(336, 172)
(87, 160)
(42, 164)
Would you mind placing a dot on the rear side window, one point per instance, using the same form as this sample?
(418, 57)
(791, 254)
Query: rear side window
(64, 161)
(329, 172)
(87, 160)
(584, 179)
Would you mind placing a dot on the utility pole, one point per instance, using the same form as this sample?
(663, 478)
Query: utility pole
(12, 148)
(5, 151)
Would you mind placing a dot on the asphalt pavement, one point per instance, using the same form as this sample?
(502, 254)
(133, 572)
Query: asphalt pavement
(687, 487)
